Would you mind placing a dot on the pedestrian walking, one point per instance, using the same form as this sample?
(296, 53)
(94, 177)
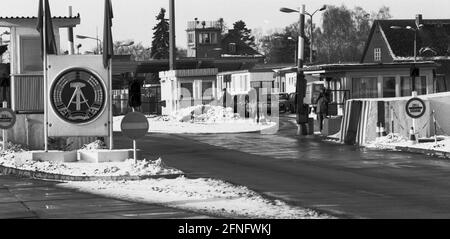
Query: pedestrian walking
(322, 107)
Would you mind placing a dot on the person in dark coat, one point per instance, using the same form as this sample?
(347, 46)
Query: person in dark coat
(322, 108)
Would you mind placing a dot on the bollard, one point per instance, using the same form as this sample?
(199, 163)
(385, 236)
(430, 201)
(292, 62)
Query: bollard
(382, 131)
(412, 136)
(378, 131)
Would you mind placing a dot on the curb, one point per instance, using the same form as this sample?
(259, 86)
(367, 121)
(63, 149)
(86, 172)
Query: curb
(59, 177)
(429, 152)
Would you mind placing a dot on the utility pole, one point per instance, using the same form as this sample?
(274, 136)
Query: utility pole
(172, 49)
(302, 113)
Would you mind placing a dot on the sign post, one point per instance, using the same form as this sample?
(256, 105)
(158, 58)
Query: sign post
(134, 125)
(415, 108)
(7, 121)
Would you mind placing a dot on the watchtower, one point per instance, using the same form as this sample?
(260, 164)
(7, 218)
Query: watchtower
(204, 39)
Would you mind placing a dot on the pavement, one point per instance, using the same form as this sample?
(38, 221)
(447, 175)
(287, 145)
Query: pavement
(37, 199)
(345, 181)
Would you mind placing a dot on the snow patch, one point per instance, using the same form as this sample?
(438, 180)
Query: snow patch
(201, 119)
(144, 167)
(202, 194)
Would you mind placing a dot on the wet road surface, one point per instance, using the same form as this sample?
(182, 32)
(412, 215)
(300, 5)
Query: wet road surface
(345, 181)
(27, 198)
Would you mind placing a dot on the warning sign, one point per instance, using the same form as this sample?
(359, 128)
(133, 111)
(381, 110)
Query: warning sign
(415, 108)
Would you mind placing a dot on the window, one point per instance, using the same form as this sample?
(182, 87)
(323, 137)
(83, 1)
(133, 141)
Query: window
(406, 85)
(232, 47)
(30, 54)
(213, 38)
(421, 85)
(377, 54)
(364, 87)
(186, 91)
(207, 89)
(388, 87)
(190, 37)
(440, 84)
(205, 38)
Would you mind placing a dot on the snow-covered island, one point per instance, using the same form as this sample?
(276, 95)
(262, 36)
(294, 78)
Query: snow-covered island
(204, 195)
(440, 144)
(202, 119)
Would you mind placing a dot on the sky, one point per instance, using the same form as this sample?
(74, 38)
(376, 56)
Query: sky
(134, 19)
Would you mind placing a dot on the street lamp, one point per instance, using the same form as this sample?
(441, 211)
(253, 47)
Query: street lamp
(289, 10)
(300, 90)
(78, 48)
(311, 33)
(99, 42)
(415, 30)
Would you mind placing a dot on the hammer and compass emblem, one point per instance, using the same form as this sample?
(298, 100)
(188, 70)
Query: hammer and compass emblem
(78, 96)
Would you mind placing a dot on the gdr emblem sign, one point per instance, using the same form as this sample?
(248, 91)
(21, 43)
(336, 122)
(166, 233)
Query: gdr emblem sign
(78, 96)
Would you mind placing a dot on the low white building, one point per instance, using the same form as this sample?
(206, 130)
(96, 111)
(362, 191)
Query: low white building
(241, 82)
(184, 88)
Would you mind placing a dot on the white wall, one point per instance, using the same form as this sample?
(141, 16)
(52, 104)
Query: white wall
(291, 81)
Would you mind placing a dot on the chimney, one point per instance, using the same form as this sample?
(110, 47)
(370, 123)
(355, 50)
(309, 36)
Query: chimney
(70, 35)
(419, 20)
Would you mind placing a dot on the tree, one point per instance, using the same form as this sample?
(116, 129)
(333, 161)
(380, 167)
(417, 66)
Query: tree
(160, 43)
(137, 51)
(344, 33)
(341, 38)
(244, 33)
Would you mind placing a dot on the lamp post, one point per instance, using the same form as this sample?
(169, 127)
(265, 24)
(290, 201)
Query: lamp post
(300, 91)
(413, 75)
(415, 30)
(99, 42)
(312, 31)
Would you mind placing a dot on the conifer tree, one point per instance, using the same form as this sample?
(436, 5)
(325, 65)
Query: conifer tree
(160, 43)
(244, 33)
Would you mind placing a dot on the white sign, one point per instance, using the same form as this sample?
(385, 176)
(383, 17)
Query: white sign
(78, 96)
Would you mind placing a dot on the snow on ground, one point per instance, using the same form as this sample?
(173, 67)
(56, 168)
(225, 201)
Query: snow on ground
(10, 159)
(201, 119)
(202, 195)
(392, 141)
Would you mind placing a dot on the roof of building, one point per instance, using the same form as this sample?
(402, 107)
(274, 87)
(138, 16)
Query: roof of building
(153, 66)
(60, 21)
(356, 66)
(433, 38)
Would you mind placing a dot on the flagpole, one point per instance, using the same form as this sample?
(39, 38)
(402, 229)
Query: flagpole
(45, 78)
(111, 132)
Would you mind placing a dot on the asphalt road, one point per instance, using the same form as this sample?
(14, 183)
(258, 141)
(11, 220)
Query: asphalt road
(31, 199)
(345, 181)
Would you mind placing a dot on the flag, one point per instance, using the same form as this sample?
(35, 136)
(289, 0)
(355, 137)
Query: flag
(108, 47)
(50, 44)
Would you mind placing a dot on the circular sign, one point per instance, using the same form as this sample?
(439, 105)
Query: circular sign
(134, 125)
(415, 108)
(7, 118)
(78, 96)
